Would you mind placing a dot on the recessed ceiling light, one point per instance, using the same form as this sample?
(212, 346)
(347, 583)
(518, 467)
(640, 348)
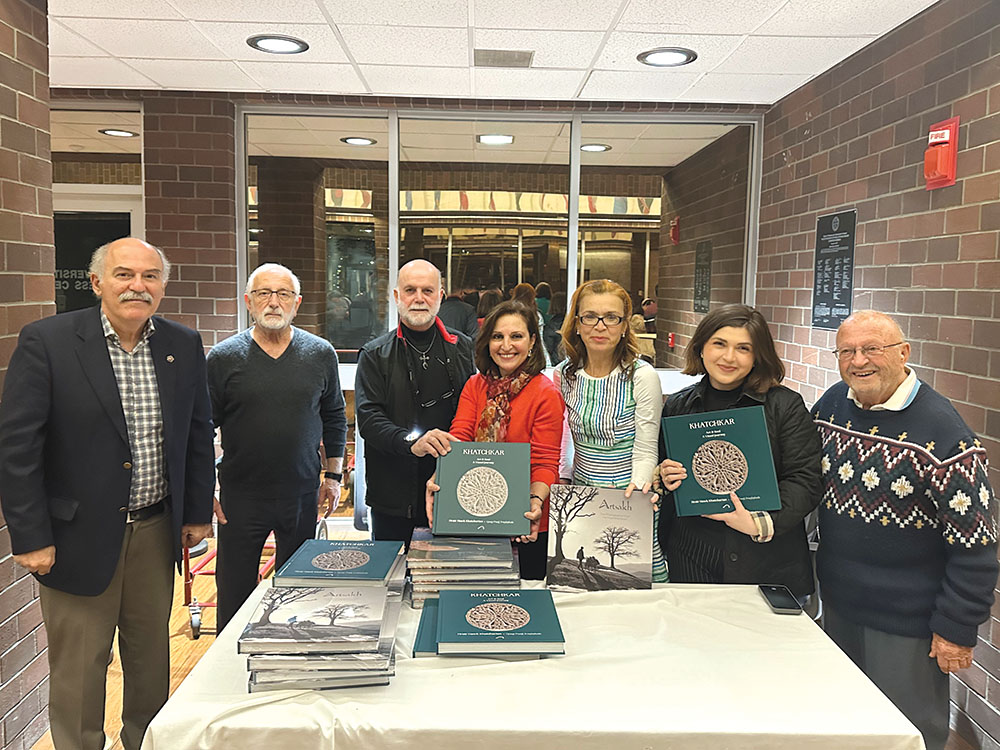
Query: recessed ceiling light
(118, 133)
(595, 147)
(495, 139)
(277, 44)
(667, 57)
(75, 147)
(357, 140)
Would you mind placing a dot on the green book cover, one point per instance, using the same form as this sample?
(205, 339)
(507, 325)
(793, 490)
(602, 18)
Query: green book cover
(723, 451)
(425, 642)
(498, 622)
(484, 490)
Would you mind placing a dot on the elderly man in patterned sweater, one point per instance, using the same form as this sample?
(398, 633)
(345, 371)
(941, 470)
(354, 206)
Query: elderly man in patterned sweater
(908, 560)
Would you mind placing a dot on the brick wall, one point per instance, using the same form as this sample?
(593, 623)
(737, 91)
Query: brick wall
(291, 214)
(97, 169)
(854, 138)
(190, 194)
(27, 293)
(708, 192)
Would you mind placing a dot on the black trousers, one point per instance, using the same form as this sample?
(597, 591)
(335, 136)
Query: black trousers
(241, 541)
(386, 527)
(532, 557)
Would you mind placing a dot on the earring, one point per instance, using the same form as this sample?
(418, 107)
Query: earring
(531, 351)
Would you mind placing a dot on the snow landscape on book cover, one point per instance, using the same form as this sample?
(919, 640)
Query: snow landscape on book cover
(304, 620)
(451, 551)
(599, 539)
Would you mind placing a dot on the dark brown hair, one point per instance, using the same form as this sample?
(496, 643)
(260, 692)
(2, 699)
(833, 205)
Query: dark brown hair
(535, 362)
(768, 369)
(627, 351)
(525, 294)
(487, 301)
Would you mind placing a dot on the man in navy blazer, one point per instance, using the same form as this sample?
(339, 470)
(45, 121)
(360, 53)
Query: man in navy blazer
(106, 469)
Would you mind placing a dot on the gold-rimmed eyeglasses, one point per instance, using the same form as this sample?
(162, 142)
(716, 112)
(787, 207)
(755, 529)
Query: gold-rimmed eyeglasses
(872, 350)
(264, 295)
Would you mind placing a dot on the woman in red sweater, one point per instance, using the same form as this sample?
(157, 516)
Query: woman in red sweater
(510, 401)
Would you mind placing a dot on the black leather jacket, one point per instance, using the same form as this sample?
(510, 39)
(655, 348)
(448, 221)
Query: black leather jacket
(795, 446)
(385, 409)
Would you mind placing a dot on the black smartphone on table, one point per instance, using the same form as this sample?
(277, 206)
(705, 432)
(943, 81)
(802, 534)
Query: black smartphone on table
(780, 599)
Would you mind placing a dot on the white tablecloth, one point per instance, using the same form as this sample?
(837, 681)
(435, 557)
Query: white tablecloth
(705, 667)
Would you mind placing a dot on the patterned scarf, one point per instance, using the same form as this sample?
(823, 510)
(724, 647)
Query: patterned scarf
(495, 419)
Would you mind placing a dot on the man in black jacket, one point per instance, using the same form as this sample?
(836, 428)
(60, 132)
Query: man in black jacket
(459, 315)
(406, 391)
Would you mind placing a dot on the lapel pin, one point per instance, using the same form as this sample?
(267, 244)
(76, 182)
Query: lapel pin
(170, 358)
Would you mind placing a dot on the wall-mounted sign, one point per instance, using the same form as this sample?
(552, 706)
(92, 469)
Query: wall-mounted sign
(833, 285)
(702, 276)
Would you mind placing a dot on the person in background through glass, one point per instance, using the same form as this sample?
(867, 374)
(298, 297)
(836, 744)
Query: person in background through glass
(612, 398)
(487, 301)
(525, 294)
(732, 347)
(510, 401)
(543, 298)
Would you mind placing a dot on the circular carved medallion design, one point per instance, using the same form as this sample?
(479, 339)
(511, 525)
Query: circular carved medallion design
(720, 467)
(482, 491)
(497, 616)
(341, 559)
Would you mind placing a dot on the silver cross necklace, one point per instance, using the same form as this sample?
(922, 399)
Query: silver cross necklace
(424, 356)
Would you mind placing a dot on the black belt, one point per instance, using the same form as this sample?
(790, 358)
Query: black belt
(148, 511)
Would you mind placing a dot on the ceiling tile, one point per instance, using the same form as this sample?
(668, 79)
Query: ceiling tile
(94, 119)
(67, 43)
(752, 89)
(698, 16)
(85, 71)
(407, 45)
(345, 125)
(454, 13)
(319, 78)
(299, 136)
(526, 84)
(196, 75)
(399, 80)
(566, 15)
(231, 38)
(553, 49)
(654, 85)
(623, 46)
(270, 12)
(149, 9)
(410, 126)
(788, 54)
(147, 39)
(841, 17)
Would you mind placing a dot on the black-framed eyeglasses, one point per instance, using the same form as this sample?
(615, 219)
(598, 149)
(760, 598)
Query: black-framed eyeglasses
(433, 401)
(592, 319)
(264, 295)
(872, 350)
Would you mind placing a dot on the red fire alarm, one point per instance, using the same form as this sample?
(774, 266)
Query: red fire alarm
(941, 156)
(675, 230)
(670, 340)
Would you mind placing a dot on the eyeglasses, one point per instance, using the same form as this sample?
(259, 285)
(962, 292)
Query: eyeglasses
(870, 351)
(591, 319)
(264, 295)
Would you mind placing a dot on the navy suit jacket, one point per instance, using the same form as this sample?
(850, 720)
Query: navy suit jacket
(65, 460)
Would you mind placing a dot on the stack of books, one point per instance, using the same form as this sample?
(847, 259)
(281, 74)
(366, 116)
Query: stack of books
(329, 621)
(451, 563)
(491, 623)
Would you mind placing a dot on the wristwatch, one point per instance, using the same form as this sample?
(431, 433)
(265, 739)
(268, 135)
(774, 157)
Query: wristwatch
(335, 475)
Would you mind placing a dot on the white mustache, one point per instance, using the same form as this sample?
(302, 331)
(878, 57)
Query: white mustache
(129, 296)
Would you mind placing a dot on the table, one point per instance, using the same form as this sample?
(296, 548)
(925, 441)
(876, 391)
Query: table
(682, 666)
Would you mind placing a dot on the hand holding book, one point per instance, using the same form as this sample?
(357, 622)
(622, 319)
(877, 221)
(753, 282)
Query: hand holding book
(738, 519)
(535, 514)
(671, 473)
(432, 487)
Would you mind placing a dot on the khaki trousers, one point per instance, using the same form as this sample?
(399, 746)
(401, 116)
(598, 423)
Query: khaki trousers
(81, 629)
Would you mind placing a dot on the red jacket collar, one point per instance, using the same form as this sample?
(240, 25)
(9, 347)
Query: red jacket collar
(448, 337)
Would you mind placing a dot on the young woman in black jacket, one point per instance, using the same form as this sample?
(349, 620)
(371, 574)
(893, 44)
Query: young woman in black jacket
(733, 349)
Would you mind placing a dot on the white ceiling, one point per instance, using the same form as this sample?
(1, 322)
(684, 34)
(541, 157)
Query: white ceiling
(750, 51)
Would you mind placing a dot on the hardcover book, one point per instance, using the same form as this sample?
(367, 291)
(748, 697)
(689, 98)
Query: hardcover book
(484, 490)
(458, 552)
(322, 562)
(315, 620)
(723, 451)
(495, 622)
(599, 539)
(425, 642)
(307, 684)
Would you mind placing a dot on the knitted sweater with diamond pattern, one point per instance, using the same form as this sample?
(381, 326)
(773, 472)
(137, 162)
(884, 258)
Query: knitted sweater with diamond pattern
(907, 517)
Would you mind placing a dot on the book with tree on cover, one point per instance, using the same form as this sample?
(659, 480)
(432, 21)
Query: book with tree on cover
(323, 562)
(484, 490)
(723, 451)
(599, 539)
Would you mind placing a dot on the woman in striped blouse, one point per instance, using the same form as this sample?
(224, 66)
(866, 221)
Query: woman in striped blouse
(613, 398)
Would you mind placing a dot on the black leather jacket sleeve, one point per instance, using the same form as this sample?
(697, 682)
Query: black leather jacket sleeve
(371, 405)
(796, 446)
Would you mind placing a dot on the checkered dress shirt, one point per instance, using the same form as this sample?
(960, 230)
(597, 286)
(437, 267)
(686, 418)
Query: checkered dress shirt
(141, 403)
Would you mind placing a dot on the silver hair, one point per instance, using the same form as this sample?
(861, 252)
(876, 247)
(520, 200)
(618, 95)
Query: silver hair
(878, 317)
(273, 268)
(100, 257)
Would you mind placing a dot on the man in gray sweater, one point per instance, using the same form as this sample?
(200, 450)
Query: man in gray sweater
(275, 395)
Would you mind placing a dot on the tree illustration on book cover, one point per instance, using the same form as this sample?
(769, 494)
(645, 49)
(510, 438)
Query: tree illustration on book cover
(612, 536)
